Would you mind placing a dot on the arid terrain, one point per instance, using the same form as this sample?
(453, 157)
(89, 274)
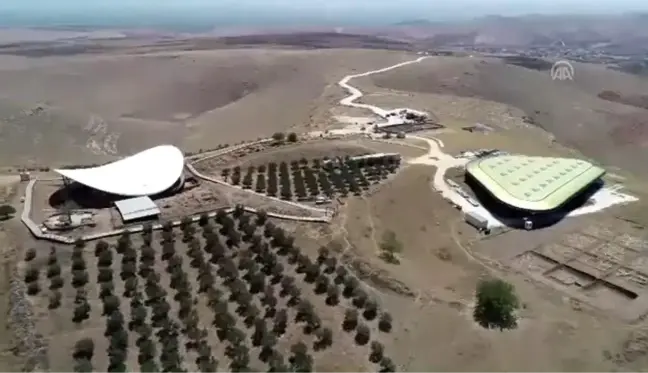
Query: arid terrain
(608, 128)
(90, 107)
(54, 110)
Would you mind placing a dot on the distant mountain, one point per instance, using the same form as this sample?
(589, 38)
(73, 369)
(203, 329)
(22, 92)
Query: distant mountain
(415, 22)
(576, 31)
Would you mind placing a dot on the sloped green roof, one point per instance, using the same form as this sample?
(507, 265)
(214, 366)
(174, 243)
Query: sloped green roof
(533, 183)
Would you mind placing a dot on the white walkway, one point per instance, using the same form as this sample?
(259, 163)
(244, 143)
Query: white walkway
(604, 198)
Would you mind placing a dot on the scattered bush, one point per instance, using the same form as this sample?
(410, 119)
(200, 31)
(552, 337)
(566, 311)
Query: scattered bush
(81, 312)
(324, 339)
(79, 278)
(105, 258)
(385, 322)
(30, 254)
(387, 365)
(78, 264)
(350, 319)
(105, 275)
(6, 212)
(363, 334)
(83, 366)
(377, 352)
(111, 304)
(31, 274)
(84, 349)
(33, 288)
(53, 270)
(390, 247)
(54, 300)
(56, 283)
(370, 309)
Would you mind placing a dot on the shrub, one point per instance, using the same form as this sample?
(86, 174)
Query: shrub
(53, 270)
(100, 247)
(30, 254)
(371, 309)
(106, 289)
(324, 339)
(277, 136)
(387, 365)
(363, 334)
(84, 349)
(350, 285)
(262, 217)
(390, 247)
(33, 288)
(332, 295)
(280, 322)
(105, 275)
(83, 366)
(360, 298)
(350, 319)
(130, 287)
(31, 274)
(54, 300)
(321, 284)
(111, 304)
(292, 137)
(56, 283)
(496, 305)
(81, 312)
(79, 278)
(385, 322)
(78, 264)
(6, 211)
(105, 258)
(377, 352)
(300, 360)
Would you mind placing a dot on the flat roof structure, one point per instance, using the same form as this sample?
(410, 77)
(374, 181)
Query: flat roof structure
(533, 183)
(146, 173)
(137, 208)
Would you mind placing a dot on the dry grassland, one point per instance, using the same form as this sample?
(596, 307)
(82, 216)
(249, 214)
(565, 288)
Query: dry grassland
(62, 109)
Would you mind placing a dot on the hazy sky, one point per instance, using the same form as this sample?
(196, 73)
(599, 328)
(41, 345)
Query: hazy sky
(381, 10)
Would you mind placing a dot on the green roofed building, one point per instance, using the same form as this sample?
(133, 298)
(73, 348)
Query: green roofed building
(536, 184)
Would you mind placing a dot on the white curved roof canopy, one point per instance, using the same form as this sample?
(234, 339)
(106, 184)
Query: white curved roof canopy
(146, 173)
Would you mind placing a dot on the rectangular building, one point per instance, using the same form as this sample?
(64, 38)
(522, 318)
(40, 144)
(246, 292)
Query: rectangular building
(137, 208)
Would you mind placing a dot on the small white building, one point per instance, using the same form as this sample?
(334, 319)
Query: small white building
(137, 208)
